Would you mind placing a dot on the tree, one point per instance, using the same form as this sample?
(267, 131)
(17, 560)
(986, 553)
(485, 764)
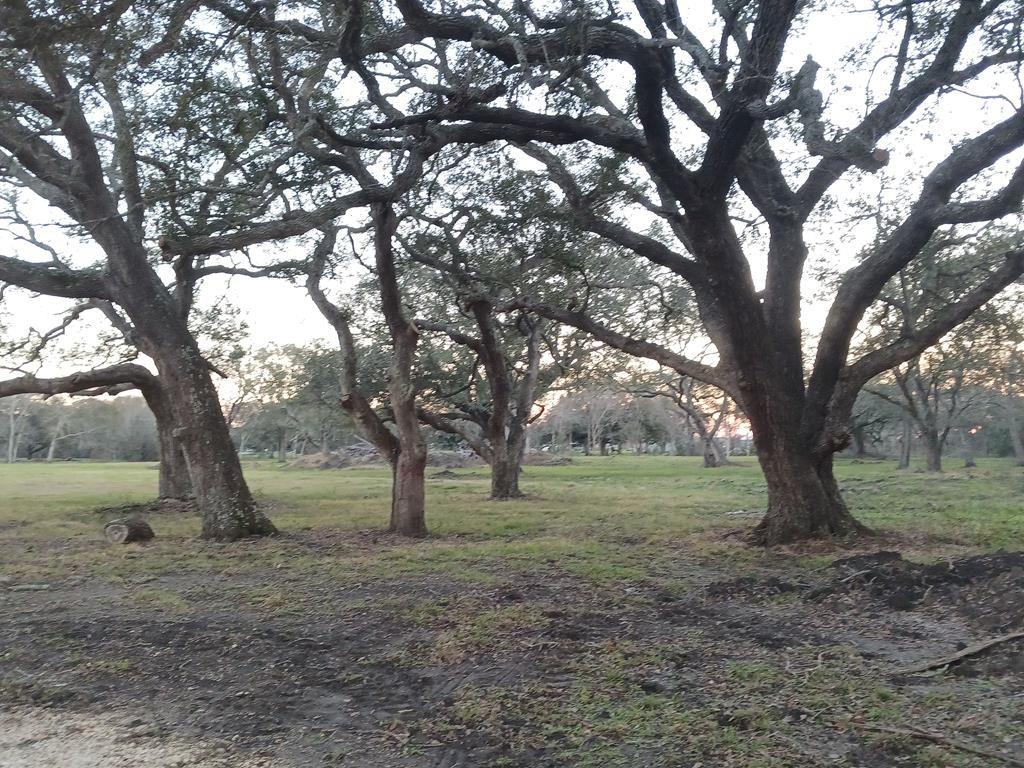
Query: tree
(938, 389)
(1008, 400)
(708, 129)
(62, 75)
(405, 449)
(481, 238)
(704, 407)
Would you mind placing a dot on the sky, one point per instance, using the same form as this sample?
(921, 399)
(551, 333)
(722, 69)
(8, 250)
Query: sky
(277, 312)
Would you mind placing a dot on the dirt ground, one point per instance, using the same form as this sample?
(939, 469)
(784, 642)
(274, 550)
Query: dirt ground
(697, 663)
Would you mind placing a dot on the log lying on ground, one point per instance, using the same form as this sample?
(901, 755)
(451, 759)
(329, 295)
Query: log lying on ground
(127, 531)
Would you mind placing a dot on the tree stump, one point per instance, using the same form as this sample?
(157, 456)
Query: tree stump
(126, 531)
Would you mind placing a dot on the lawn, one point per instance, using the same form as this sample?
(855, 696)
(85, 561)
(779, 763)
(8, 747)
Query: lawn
(614, 617)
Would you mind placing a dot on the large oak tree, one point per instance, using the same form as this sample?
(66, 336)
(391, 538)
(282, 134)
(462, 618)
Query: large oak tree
(719, 122)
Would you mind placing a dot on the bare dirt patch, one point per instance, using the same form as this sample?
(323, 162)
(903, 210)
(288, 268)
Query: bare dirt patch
(533, 666)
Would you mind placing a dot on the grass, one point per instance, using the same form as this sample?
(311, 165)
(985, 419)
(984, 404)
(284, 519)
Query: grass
(611, 519)
(624, 527)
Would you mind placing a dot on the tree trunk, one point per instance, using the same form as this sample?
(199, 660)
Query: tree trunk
(933, 450)
(803, 499)
(408, 496)
(905, 440)
(1015, 437)
(174, 482)
(282, 445)
(13, 425)
(127, 531)
(966, 451)
(711, 457)
(222, 496)
(859, 446)
(506, 465)
(505, 478)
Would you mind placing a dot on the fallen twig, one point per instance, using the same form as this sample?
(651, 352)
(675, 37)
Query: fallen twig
(939, 738)
(970, 650)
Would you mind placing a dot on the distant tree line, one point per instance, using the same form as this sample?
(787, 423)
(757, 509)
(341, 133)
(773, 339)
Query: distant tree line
(282, 402)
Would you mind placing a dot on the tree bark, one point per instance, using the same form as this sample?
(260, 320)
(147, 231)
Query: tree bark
(803, 499)
(933, 450)
(506, 465)
(712, 458)
(408, 497)
(905, 440)
(127, 531)
(201, 431)
(1013, 423)
(505, 479)
(174, 482)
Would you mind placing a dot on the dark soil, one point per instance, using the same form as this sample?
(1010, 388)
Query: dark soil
(434, 670)
(988, 590)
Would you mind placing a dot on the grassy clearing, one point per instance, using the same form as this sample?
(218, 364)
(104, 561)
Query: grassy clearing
(567, 594)
(607, 519)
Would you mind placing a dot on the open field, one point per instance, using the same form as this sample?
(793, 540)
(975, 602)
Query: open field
(612, 618)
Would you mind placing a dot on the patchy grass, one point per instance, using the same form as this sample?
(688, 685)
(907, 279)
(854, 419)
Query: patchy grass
(608, 519)
(572, 628)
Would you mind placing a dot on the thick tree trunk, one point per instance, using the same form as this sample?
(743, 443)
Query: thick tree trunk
(803, 500)
(505, 479)
(174, 482)
(506, 465)
(711, 456)
(933, 450)
(408, 497)
(127, 531)
(222, 496)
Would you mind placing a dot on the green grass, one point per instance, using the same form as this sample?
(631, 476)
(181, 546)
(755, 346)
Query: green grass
(609, 526)
(609, 519)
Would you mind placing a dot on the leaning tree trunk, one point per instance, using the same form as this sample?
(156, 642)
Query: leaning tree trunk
(51, 452)
(222, 496)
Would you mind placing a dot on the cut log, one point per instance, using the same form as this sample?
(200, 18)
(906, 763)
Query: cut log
(127, 530)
